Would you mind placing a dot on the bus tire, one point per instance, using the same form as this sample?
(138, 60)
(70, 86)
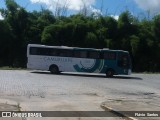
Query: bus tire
(54, 69)
(109, 73)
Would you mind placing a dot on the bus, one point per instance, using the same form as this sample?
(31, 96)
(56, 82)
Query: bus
(58, 59)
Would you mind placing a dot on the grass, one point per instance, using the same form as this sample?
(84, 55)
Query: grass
(146, 72)
(11, 68)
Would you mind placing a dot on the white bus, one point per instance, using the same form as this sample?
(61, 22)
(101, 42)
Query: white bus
(58, 59)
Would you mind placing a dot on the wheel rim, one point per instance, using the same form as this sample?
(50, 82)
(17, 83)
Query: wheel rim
(54, 70)
(109, 73)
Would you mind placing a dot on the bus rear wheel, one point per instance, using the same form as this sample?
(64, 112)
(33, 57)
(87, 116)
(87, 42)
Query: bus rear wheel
(109, 73)
(54, 69)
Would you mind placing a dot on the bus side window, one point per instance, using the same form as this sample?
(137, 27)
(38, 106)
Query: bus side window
(93, 55)
(37, 51)
(46, 51)
(33, 51)
(65, 53)
(76, 54)
(43, 51)
(101, 56)
(61, 53)
(80, 54)
(54, 52)
(83, 54)
(68, 53)
(109, 55)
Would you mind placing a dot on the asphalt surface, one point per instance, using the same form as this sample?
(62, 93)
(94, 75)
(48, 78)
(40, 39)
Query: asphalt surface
(42, 91)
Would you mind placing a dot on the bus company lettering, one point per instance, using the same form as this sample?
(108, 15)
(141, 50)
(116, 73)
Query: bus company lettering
(57, 59)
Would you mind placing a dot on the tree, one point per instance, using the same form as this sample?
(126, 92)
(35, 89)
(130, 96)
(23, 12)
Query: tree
(6, 42)
(17, 18)
(135, 44)
(37, 22)
(51, 34)
(91, 40)
(138, 36)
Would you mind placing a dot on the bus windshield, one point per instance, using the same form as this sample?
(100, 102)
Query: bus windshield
(124, 60)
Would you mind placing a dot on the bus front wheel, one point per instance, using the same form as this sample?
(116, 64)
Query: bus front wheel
(54, 69)
(109, 73)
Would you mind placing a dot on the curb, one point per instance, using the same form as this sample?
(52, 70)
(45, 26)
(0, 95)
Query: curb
(116, 112)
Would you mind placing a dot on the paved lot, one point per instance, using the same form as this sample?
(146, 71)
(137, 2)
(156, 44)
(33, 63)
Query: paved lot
(42, 91)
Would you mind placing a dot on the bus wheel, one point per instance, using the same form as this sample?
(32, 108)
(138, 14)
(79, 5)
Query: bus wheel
(54, 69)
(110, 73)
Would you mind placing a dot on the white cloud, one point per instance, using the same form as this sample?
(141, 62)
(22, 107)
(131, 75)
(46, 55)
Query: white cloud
(1, 18)
(151, 5)
(92, 10)
(116, 17)
(95, 10)
(71, 4)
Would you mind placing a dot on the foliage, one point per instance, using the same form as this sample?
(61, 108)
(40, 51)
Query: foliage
(20, 27)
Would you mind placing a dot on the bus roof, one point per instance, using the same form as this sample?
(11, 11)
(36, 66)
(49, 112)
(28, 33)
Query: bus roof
(75, 48)
(47, 46)
(114, 50)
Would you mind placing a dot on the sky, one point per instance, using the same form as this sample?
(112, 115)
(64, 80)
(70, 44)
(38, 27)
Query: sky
(104, 7)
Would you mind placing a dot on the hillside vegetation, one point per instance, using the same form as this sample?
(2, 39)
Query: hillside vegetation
(141, 37)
